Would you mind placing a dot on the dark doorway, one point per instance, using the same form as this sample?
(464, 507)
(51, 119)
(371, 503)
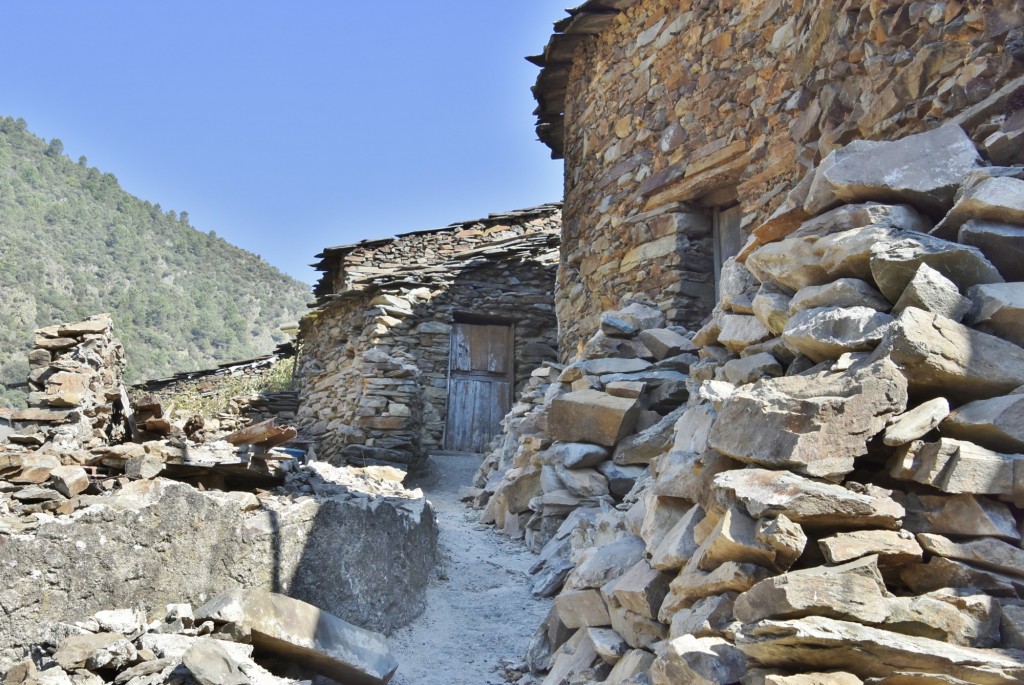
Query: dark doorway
(479, 384)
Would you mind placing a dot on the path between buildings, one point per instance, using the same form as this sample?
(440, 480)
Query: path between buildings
(480, 613)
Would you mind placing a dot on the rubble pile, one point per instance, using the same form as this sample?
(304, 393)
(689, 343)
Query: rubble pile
(74, 383)
(115, 505)
(838, 496)
(228, 640)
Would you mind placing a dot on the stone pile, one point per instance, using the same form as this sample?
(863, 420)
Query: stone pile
(74, 385)
(226, 641)
(838, 496)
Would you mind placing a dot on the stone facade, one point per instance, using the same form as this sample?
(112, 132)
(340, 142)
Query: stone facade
(374, 361)
(669, 113)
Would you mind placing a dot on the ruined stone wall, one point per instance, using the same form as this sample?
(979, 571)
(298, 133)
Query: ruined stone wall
(354, 551)
(675, 100)
(374, 365)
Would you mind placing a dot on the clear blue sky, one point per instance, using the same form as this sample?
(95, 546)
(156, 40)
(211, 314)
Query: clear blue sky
(290, 126)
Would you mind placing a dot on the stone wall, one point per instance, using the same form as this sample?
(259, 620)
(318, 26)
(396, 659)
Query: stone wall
(821, 485)
(373, 369)
(675, 108)
(74, 382)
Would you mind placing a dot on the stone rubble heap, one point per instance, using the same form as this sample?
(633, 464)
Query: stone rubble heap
(74, 383)
(90, 519)
(215, 644)
(837, 498)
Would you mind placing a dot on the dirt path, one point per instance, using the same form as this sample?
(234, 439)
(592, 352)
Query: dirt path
(480, 613)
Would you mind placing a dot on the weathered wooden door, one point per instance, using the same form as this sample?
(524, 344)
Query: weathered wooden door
(479, 385)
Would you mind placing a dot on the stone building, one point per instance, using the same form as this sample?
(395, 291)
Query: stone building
(684, 123)
(420, 342)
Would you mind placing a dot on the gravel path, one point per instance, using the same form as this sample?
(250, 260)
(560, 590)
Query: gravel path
(480, 613)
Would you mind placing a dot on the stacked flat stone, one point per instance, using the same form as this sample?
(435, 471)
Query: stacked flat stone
(74, 379)
(213, 643)
(838, 501)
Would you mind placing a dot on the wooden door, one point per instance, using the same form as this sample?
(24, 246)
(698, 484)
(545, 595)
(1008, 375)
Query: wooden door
(479, 385)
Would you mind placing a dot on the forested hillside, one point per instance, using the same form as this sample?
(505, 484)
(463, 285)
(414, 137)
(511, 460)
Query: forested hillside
(73, 243)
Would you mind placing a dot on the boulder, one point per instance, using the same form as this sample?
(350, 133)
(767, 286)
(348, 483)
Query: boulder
(747, 370)
(959, 515)
(583, 483)
(296, 631)
(677, 546)
(211, 664)
(957, 466)
(916, 423)
(998, 309)
(740, 538)
(819, 591)
(923, 170)
(581, 608)
(820, 194)
(892, 548)
(642, 447)
(70, 480)
(1002, 244)
(872, 652)
(641, 589)
(94, 651)
(828, 332)
(592, 416)
(940, 573)
(772, 307)
(984, 552)
(698, 661)
(708, 617)
(960, 617)
(665, 342)
(733, 281)
(607, 562)
(895, 262)
(814, 424)
(806, 502)
(693, 584)
(843, 292)
(997, 199)
(688, 476)
(996, 423)
(578, 455)
(931, 291)
(576, 656)
(608, 365)
(693, 428)
(741, 330)
(621, 479)
(608, 644)
(633, 663)
(938, 356)
(630, 320)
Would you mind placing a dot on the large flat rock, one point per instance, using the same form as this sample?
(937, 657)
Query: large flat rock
(592, 416)
(923, 170)
(808, 502)
(872, 652)
(938, 356)
(302, 633)
(816, 425)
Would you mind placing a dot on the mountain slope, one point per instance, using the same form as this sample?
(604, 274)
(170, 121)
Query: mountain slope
(73, 243)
